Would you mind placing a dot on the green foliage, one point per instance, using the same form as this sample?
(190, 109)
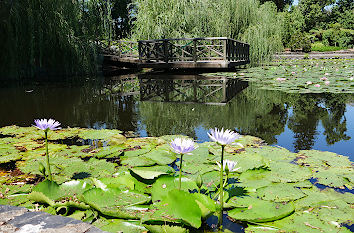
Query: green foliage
(300, 42)
(245, 20)
(52, 37)
(320, 47)
(272, 188)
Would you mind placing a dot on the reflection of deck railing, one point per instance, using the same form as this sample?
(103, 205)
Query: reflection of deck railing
(193, 50)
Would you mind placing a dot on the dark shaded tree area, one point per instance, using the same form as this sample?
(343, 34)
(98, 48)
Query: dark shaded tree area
(50, 37)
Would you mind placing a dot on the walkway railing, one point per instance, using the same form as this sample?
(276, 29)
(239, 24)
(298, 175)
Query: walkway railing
(193, 50)
(123, 49)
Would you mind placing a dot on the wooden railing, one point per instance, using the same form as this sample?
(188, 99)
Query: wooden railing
(193, 50)
(123, 49)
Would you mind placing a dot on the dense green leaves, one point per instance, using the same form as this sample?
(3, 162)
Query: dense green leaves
(110, 185)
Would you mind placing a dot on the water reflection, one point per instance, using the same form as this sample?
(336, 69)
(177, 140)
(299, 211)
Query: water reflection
(153, 106)
(189, 89)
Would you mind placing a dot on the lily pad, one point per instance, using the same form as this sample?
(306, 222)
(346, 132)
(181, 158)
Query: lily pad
(177, 206)
(280, 192)
(116, 203)
(165, 228)
(165, 184)
(256, 210)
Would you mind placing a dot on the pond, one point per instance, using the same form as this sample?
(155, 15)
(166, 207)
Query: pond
(162, 104)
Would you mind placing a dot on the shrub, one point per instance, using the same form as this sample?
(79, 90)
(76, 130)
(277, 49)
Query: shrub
(300, 42)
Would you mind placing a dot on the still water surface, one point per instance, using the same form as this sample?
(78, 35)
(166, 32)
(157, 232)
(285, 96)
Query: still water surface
(154, 105)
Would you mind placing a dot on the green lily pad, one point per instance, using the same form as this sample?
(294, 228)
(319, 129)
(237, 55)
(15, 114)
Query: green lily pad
(8, 153)
(161, 156)
(98, 134)
(206, 205)
(287, 172)
(146, 174)
(165, 228)
(177, 206)
(116, 203)
(138, 161)
(307, 222)
(280, 192)
(324, 159)
(119, 225)
(254, 179)
(164, 184)
(255, 210)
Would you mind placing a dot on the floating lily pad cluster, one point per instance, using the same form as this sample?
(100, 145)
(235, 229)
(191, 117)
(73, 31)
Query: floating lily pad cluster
(301, 76)
(131, 184)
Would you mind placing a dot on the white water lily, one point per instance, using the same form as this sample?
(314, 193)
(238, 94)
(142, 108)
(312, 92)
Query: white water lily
(229, 165)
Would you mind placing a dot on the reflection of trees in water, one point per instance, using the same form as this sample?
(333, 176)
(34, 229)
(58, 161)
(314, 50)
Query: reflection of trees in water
(81, 104)
(251, 112)
(309, 109)
(335, 123)
(256, 112)
(303, 122)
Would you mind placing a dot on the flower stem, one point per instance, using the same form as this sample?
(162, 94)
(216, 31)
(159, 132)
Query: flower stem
(180, 172)
(221, 187)
(47, 155)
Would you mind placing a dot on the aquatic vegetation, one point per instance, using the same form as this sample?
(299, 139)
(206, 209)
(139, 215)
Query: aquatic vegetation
(46, 125)
(301, 76)
(182, 146)
(222, 138)
(131, 185)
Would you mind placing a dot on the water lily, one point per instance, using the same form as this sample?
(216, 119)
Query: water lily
(281, 79)
(182, 146)
(326, 74)
(229, 166)
(223, 138)
(308, 82)
(317, 85)
(324, 78)
(327, 83)
(47, 125)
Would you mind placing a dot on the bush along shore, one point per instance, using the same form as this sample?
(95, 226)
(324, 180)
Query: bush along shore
(134, 184)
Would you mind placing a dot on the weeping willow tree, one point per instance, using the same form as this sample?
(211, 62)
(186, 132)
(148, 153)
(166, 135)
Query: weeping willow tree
(246, 20)
(51, 37)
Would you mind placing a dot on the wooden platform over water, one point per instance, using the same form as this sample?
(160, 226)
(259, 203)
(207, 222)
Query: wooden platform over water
(193, 53)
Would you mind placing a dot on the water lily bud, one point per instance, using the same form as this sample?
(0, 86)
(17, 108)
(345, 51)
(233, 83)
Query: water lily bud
(199, 181)
(42, 168)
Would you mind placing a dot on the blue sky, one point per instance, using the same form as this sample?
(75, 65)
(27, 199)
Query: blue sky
(295, 2)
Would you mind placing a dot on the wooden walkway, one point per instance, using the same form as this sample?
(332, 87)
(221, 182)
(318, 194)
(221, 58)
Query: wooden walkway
(193, 53)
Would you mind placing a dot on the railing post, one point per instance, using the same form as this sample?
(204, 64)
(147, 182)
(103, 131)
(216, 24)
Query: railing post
(225, 50)
(165, 50)
(195, 50)
(140, 51)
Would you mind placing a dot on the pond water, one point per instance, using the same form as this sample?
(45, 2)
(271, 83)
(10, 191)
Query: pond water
(160, 104)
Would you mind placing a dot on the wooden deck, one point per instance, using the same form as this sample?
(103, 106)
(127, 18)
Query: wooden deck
(192, 53)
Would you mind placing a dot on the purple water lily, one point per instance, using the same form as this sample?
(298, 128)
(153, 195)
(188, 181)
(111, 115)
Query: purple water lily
(223, 137)
(182, 146)
(45, 124)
